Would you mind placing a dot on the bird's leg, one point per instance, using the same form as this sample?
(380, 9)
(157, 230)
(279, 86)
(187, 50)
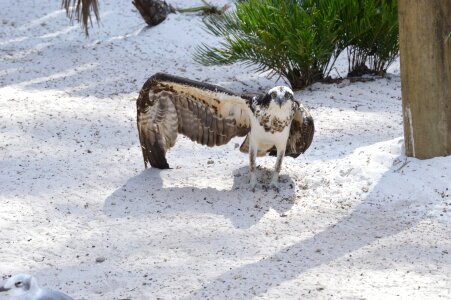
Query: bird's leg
(252, 164)
(278, 166)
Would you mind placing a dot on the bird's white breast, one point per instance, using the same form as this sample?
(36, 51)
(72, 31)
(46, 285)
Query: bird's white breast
(271, 126)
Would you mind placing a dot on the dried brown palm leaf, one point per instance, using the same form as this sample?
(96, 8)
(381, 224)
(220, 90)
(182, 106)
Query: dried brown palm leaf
(80, 10)
(153, 11)
(156, 11)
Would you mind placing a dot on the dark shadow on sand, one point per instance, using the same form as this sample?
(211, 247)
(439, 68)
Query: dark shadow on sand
(145, 194)
(374, 218)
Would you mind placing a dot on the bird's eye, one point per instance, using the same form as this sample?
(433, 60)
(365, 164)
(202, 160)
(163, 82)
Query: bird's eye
(18, 283)
(287, 95)
(273, 95)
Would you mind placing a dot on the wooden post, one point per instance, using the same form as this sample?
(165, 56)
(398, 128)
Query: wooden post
(425, 52)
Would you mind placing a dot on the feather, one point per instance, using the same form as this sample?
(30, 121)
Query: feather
(168, 105)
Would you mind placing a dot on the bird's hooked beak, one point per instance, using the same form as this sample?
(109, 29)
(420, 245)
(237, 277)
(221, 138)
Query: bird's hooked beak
(2, 289)
(280, 101)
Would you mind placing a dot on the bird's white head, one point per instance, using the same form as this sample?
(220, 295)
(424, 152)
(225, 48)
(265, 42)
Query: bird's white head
(281, 95)
(19, 284)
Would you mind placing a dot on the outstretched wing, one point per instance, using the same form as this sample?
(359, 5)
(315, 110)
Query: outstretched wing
(207, 114)
(301, 132)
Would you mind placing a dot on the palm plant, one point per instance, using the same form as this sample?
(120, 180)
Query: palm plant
(296, 39)
(300, 39)
(370, 29)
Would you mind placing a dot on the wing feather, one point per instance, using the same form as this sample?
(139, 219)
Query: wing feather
(220, 131)
(301, 132)
(207, 114)
(156, 126)
(179, 104)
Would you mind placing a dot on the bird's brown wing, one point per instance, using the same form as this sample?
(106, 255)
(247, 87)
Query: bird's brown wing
(301, 132)
(207, 114)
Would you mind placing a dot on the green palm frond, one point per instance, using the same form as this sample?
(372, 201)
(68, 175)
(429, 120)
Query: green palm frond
(301, 39)
(295, 39)
(370, 28)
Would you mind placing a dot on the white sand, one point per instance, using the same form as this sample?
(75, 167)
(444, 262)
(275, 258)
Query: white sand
(355, 218)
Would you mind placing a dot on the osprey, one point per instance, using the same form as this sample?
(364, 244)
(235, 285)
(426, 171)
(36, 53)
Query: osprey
(274, 123)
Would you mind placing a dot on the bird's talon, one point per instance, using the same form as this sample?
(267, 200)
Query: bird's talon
(275, 184)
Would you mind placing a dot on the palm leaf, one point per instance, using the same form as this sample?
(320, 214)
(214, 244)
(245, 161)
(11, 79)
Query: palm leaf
(80, 11)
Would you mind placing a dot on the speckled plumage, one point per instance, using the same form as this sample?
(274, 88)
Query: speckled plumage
(273, 122)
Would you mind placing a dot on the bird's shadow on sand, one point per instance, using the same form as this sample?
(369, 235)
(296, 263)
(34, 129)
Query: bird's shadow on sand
(146, 195)
(391, 207)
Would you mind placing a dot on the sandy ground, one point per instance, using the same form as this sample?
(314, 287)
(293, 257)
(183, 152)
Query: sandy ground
(354, 219)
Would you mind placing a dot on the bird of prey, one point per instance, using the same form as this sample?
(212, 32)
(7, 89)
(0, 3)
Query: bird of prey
(274, 123)
(25, 287)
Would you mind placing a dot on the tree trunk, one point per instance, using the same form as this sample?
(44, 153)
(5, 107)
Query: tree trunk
(425, 47)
